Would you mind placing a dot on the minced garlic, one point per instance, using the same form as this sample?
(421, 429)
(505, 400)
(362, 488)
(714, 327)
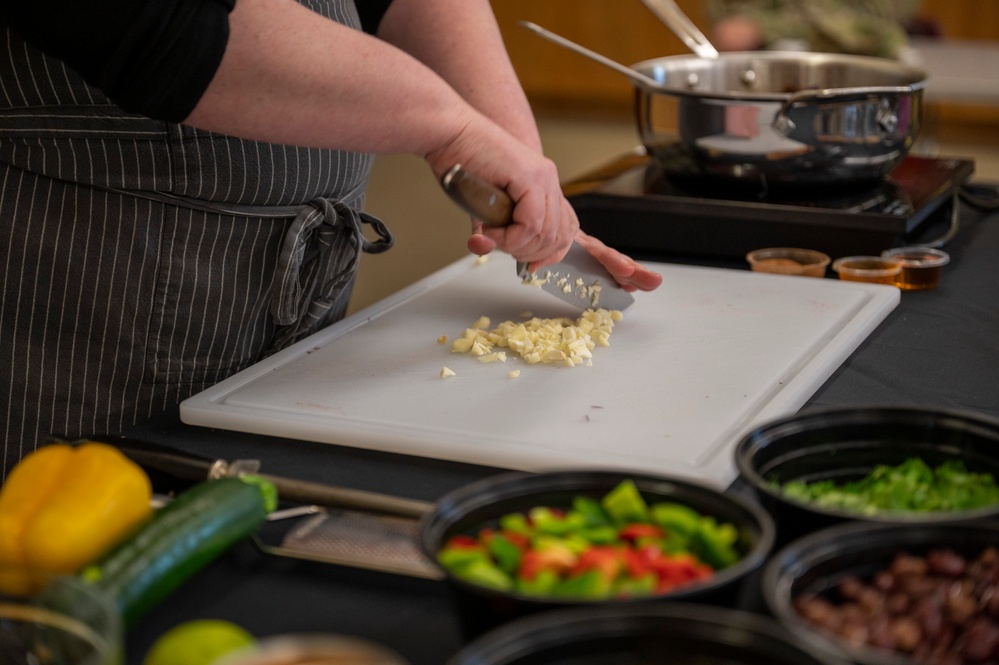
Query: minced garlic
(559, 341)
(567, 284)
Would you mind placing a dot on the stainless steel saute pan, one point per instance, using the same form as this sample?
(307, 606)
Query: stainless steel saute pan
(783, 117)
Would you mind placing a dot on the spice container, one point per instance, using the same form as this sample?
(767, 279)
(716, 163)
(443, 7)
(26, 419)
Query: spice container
(788, 261)
(873, 269)
(921, 266)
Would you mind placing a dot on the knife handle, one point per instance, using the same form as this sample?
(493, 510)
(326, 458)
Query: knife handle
(482, 200)
(170, 470)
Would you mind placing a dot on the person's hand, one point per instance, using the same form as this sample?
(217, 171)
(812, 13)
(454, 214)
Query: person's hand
(543, 223)
(737, 33)
(631, 275)
(628, 272)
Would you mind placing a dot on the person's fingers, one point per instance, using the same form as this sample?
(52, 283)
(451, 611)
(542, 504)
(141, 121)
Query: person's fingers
(630, 274)
(543, 225)
(479, 243)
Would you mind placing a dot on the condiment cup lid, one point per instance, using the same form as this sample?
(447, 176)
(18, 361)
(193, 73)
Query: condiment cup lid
(918, 257)
(867, 266)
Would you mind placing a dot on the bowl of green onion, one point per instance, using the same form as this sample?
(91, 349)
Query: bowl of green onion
(876, 464)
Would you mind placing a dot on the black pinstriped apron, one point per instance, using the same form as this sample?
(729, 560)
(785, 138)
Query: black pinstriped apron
(143, 261)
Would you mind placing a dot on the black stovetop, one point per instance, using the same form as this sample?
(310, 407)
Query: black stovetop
(634, 205)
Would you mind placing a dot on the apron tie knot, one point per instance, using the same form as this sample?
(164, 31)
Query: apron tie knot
(316, 264)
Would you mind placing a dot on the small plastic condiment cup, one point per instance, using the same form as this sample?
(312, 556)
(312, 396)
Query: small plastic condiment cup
(788, 261)
(921, 266)
(873, 269)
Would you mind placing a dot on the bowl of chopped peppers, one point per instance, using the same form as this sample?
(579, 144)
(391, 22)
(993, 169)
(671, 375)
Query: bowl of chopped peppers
(877, 464)
(517, 543)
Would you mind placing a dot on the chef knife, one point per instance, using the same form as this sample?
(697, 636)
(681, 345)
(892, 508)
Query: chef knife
(173, 470)
(578, 279)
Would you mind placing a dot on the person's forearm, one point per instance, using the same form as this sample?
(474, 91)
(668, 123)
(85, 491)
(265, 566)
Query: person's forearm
(289, 76)
(460, 40)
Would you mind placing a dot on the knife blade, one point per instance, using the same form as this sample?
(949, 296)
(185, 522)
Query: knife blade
(578, 279)
(172, 470)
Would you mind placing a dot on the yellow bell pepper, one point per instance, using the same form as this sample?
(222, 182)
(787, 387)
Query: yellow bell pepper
(63, 506)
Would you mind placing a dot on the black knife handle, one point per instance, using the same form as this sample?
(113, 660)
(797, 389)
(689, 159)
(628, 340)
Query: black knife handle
(169, 469)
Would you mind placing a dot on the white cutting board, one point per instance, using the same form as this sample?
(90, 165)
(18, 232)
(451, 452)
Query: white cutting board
(691, 368)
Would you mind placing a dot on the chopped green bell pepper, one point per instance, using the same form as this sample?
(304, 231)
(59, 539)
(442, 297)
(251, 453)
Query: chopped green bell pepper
(625, 504)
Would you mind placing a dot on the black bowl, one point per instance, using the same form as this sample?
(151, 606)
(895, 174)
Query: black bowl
(846, 444)
(816, 563)
(473, 506)
(672, 634)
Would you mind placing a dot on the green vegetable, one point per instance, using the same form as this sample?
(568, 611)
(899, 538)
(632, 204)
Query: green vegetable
(507, 554)
(455, 558)
(591, 512)
(484, 573)
(640, 586)
(515, 522)
(911, 486)
(589, 585)
(542, 585)
(676, 517)
(625, 504)
(714, 543)
(617, 547)
(180, 539)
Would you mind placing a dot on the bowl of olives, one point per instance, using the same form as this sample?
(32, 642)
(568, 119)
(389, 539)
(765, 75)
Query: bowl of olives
(892, 594)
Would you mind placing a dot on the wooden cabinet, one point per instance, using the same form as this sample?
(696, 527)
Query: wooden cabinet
(964, 19)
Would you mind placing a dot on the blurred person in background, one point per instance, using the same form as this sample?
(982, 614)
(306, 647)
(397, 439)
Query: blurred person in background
(182, 184)
(859, 27)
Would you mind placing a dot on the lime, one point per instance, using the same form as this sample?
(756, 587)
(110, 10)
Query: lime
(197, 642)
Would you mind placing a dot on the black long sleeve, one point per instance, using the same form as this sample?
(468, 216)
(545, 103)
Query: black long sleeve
(371, 13)
(154, 58)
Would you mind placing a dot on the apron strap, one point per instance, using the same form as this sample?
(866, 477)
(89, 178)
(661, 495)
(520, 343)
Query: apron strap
(317, 260)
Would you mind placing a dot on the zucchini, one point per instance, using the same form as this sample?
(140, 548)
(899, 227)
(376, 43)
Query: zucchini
(182, 538)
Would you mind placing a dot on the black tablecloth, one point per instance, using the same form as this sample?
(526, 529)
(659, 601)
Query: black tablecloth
(938, 348)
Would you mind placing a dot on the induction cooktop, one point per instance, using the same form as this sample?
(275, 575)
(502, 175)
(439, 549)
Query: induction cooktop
(635, 205)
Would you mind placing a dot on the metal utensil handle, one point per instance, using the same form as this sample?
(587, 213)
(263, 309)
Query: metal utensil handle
(635, 75)
(307, 492)
(681, 25)
(174, 470)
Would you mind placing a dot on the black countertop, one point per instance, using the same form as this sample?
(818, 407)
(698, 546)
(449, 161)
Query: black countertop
(937, 349)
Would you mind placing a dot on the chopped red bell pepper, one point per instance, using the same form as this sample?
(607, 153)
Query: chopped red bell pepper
(558, 559)
(605, 559)
(520, 540)
(632, 532)
(464, 542)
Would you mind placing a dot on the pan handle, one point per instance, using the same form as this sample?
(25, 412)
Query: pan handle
(633, 74)
(887, 118)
